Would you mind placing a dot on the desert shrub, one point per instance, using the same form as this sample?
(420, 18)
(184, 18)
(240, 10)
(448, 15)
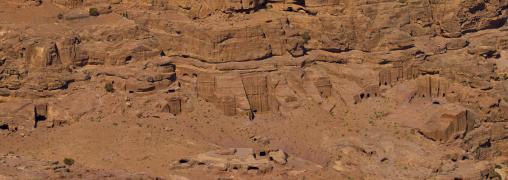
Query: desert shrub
(60, 16)
(68, 68)
(305, 36)
(109, 87)
(125, 15)
(93, 12)
(496, 175)
(497, 166)
(68, 161)
(402, 1)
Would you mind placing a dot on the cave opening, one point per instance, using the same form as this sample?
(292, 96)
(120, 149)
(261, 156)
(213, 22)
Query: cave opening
(128, 59)
(300, 2)
(39, 118)
(252, 168)
(262, 153)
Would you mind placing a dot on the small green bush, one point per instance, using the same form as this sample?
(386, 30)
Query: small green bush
(402, 1)
(125, 15)
(109, 87)
(496, 175)
(68, 161)
(60, 16)
(497, 166)
(68, 68)
(93, 12)
(305, 36)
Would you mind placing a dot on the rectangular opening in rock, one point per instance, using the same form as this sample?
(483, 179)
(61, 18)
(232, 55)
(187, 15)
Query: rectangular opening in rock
(40, 111)
(4, 127)
(252, 168)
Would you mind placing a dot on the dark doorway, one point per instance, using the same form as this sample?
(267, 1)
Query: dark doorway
(128, 59)
(39, 118)
(4, 127)
(300, 2)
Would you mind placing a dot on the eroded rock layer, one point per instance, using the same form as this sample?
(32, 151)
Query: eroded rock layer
(349, 86)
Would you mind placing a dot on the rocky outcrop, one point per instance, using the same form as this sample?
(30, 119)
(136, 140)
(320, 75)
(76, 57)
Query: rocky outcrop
(52, 55)
(436, 67)
(238, 160)
(448, 124)
(256, 40)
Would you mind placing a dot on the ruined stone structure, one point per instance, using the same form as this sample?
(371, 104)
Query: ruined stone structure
(369, 92)
(385, 77)
(413, 72)
(397, 72)
(432, 86)
(257, 92)
(41, 113)
(206, 87)
(324, 87)
(175, 105)
(237, 160)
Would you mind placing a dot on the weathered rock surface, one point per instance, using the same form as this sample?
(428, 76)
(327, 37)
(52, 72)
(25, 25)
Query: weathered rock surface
(352, 85)
(16, 167)
(235, 160)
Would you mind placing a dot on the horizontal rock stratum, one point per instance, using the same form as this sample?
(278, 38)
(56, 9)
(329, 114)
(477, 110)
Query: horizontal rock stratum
(253, 89)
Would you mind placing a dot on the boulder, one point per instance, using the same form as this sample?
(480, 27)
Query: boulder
(278, 156)
(447, 124)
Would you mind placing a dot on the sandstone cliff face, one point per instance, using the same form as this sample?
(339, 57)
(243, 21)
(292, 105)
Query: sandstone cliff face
(253, 41)
(363, 25)
(434, 67)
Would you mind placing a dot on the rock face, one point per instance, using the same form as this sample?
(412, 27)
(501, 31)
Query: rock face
(16, 167)
(448, 124)
(343, 73)
(52, 55)
(256, 39)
